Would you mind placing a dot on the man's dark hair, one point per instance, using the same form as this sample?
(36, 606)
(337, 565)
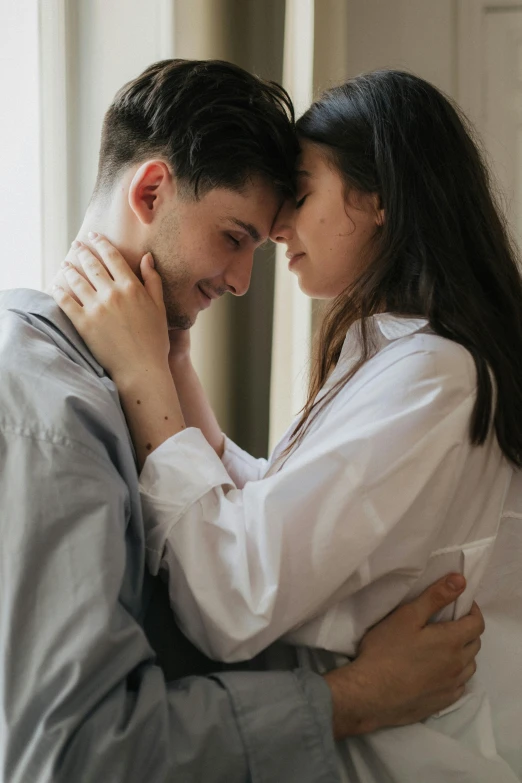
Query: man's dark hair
(213, 122)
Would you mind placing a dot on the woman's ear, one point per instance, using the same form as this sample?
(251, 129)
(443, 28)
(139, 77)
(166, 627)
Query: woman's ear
(379, 211)
(151, 185)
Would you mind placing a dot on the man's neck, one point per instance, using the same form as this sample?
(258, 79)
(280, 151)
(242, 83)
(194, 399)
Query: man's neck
(107, 219)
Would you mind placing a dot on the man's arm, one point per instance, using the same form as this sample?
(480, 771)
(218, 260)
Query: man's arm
(408, 668)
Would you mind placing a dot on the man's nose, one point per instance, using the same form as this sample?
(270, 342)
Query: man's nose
(283, 227)
(238, 274)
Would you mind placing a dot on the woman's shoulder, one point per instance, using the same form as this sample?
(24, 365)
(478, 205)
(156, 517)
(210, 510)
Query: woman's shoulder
(425, 356)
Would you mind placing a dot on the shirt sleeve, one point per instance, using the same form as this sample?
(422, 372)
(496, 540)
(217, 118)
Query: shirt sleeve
(81, 696)
(242, 466)
(247, 566)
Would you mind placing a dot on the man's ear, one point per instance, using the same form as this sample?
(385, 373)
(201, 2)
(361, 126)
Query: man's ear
(150, 186)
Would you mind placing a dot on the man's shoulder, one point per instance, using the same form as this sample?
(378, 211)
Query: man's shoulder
(49, 386)
(33, 329)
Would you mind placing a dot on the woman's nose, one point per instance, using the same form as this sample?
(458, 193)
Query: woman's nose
(283, 227)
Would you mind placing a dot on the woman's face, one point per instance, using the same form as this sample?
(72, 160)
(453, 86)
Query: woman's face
(328, 233)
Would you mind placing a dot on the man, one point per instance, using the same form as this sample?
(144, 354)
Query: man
(195, 161)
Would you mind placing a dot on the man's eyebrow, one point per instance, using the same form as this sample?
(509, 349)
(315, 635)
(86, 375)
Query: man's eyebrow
(249, 228)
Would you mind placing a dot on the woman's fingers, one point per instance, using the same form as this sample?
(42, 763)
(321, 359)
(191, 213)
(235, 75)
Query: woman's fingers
(81, 287)
(67, 303)
(60, 281)
(112, 258)
(151, 280)
(92, 268)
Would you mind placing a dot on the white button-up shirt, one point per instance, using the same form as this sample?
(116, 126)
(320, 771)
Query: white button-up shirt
(384, 494)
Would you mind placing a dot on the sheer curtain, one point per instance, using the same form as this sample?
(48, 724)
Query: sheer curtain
(20, 261)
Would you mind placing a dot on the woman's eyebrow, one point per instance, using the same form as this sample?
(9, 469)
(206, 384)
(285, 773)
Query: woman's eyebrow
(303, 173)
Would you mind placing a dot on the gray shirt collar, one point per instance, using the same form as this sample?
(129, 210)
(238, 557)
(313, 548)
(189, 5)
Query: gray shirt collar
(44, 313)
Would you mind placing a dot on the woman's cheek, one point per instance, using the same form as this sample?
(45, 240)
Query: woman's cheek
(298, 224)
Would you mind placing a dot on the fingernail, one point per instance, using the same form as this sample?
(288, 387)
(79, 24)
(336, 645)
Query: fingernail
(93, 235)
(455, 582)
(65, 264)
(151, 261)
(76, 243)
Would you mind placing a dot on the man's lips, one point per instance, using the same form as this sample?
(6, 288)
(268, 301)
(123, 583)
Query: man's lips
(207, 296)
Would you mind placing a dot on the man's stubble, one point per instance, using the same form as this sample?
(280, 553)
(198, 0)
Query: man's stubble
(174, 271)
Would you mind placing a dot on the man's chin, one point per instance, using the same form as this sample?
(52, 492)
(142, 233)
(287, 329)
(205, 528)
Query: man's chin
(177, 322)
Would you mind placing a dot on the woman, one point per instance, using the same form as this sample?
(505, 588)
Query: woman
(404, 463)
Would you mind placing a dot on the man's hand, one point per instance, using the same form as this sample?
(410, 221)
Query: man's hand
(407, 668)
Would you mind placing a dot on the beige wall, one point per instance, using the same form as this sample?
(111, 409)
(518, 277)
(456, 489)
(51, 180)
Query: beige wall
(361, 35)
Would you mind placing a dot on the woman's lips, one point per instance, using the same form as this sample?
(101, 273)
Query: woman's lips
(294, 259)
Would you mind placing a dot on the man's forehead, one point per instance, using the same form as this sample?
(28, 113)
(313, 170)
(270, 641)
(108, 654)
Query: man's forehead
(254, 215)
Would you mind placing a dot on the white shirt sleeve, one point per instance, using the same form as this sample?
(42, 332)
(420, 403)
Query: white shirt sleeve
(245, 566)
(242, 466)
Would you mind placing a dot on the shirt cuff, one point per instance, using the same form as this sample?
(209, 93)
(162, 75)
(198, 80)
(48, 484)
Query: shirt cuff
(285, 720)
(182, 470)
(241, 465)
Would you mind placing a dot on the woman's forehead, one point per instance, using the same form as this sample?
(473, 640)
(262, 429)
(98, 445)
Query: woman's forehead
(311, 161)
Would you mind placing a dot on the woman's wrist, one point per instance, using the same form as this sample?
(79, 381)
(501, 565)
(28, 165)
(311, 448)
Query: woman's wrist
(180, 364)
(130, 380)
(151, 406)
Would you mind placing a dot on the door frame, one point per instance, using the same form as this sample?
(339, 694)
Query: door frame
(470, 39)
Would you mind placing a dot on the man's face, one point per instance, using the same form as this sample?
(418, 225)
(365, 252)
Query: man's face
(205, 248)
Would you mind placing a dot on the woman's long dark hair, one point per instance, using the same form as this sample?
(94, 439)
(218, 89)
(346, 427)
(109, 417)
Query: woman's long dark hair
(443, 253)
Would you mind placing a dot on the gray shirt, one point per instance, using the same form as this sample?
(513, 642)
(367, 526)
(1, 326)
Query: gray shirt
(82, 697)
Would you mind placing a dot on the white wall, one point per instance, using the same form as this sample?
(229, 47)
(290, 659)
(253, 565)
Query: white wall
(20, 256)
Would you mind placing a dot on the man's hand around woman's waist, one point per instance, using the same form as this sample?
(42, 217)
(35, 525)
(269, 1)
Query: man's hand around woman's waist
(407, 668)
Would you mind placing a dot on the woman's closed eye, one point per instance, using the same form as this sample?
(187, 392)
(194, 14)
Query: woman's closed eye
(299, 203)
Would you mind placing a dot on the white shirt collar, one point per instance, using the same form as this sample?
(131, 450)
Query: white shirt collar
(393, 326)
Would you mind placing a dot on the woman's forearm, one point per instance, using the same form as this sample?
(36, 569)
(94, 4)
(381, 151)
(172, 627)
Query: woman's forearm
(160, 403)
(196, 409)
(152, 409)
